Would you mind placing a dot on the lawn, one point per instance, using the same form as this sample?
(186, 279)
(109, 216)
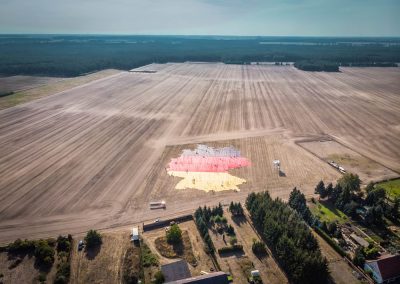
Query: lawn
(392, 187)
(326, 212)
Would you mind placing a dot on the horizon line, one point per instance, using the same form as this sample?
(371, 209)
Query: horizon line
(197, 35)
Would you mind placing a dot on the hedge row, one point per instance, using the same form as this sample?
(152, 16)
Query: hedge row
(233, 248)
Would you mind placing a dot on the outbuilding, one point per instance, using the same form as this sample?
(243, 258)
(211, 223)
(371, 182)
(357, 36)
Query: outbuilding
(135, 234)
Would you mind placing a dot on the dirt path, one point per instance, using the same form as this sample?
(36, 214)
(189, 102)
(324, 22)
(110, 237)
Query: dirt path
(269, 269)
(341, 272)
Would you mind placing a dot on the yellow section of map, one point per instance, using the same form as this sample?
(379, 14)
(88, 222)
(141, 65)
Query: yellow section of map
(207, 181)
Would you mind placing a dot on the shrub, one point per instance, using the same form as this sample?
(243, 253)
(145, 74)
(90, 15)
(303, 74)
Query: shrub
(63, 273)
(232, 248)
(230, 230)
(332, 227)
(148, 258)
(63, 244)
(130, 279)
(16, 262)
(93, 239)
(371, 252)
(359, 258)
(217, 219)
(174, 234)
(61, 280)
(44, 253)
(258, 247)
(233, 241)
(21, 246)
(42, 277)
(159, 277)
(51, 242)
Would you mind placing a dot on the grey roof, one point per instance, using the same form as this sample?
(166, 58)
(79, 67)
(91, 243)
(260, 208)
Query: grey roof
(211, 278)
(175, 271)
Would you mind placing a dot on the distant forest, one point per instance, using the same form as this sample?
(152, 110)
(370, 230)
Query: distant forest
(66, 55)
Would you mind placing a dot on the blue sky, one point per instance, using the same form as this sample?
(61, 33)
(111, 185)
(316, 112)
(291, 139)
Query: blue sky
(203, 17)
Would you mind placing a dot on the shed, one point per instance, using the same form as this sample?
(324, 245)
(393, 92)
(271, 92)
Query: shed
(359, 240)
(211, 278)
(135, 234)
(175, 271)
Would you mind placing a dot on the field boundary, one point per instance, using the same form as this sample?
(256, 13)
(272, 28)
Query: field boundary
(328, 137)
(163, 223)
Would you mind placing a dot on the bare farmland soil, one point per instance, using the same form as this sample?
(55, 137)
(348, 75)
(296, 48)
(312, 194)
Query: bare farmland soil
(299, 168)
(27, 88)
(88, 157)
(18, 83)
(352, 161)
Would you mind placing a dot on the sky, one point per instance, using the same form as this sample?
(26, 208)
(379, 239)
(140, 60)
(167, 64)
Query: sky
(203, 17)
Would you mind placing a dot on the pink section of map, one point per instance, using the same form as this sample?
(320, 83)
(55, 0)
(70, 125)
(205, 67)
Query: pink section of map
(206, 164)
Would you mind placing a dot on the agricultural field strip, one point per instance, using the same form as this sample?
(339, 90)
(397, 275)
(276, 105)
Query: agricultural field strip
(90, 148)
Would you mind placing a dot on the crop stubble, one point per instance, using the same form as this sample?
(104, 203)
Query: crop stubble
(93, 156)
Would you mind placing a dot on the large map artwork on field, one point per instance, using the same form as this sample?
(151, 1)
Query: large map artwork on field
(206, 168)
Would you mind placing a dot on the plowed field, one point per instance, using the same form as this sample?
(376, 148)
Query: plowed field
(93, 156)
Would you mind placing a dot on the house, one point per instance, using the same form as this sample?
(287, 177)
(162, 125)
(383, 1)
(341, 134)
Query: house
(210, 278)
(175, 271)
(384, 270)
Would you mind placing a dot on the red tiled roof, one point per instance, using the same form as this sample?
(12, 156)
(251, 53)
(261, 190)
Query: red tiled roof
(389, 267)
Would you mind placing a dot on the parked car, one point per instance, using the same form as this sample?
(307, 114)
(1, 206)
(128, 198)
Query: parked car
(81, 245)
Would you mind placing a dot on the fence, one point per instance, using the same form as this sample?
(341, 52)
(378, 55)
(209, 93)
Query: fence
(164, 223)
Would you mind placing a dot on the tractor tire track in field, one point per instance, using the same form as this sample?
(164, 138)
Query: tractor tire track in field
(94, 155)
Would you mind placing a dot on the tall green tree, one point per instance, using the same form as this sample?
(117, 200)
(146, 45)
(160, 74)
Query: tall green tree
(297, 201)
(174, 234)
(350, 182)
(320, 188)
(93, 239)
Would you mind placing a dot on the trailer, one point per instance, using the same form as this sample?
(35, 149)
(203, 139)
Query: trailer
(157, 205)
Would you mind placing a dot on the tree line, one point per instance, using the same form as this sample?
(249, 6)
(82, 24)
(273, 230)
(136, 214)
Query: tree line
(310, 65)
(202, 218)
(57, 55)
(289, 238)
